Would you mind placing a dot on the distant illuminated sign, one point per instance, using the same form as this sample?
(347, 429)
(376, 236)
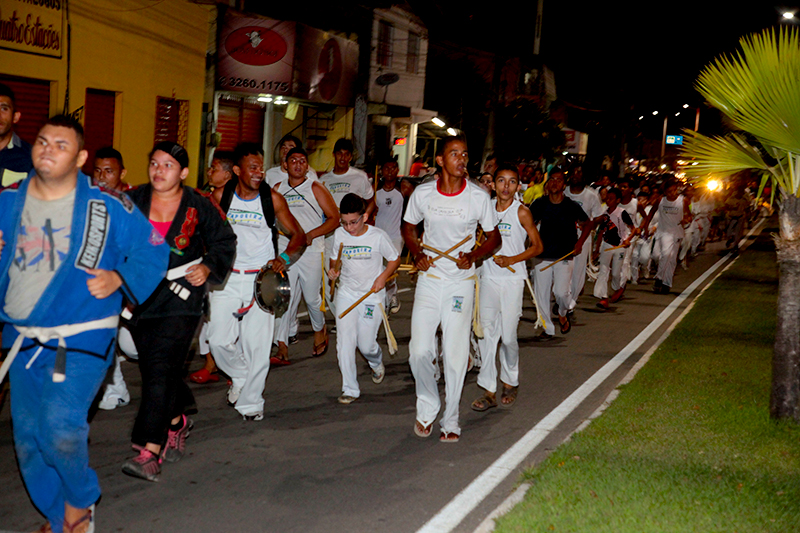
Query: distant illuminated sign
(400, 141)
(674, 139)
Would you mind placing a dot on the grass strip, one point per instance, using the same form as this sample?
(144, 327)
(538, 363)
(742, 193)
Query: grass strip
(688, 445)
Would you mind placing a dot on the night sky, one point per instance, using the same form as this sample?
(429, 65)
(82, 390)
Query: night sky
(609, 53)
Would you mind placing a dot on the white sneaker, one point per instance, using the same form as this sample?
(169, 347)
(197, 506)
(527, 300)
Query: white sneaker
(345, 399)
(233, 394)
(378, 374)
(394, 305)
(254, 417)
(112, 401)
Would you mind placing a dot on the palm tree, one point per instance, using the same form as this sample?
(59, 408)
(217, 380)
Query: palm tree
(758, 92)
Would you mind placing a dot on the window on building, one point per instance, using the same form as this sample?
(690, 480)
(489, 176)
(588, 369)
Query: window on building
(172, 120)
(384, 44)
(412, 57)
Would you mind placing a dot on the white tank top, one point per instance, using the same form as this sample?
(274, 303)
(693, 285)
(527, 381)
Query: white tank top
(514, 236)
(305, 208)
(670, 215)
(253, 236)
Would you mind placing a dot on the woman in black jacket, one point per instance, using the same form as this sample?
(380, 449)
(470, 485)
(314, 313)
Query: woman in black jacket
(203, 247)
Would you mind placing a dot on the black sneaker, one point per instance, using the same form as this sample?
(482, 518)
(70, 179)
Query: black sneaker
(293, 339)
(543, 337)
(657, 286)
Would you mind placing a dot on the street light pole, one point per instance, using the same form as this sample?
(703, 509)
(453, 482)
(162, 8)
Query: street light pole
(664, 138)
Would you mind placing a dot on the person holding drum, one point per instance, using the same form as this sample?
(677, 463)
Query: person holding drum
(253, 209)
(362, 273)
(202, 245)
(314, 209)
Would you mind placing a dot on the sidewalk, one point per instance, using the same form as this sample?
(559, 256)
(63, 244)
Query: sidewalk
(688, 445)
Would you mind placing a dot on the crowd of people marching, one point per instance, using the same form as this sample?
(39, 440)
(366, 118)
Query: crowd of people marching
(94, 272)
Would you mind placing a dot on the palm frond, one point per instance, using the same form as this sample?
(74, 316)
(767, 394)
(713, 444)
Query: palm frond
(720, 155)
(759, 88)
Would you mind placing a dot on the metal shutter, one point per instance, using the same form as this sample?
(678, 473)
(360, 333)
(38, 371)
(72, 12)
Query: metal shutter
(239, 121)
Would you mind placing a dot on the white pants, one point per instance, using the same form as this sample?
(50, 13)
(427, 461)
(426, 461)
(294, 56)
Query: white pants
(579, 273)
(628, 260)
(117, 388)
(126, 344)
(640, 256)
(501, 309)
(391, 287)
(202, 339)
(449, 303)
(666, 251)
(688, 238)
(610, 263)
(700, 236)
(555, 279)
(305, 278)
(357, 329)
(247, 367)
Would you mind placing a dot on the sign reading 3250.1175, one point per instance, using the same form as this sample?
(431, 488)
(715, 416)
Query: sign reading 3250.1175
(249, 83)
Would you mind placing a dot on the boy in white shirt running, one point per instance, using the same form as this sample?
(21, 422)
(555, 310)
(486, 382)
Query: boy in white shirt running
(364, 249)
(502, 290)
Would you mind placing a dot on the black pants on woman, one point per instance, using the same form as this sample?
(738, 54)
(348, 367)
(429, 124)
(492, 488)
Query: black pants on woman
(163, 344)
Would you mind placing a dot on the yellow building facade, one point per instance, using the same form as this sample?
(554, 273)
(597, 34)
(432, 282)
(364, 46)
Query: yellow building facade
(132, 71)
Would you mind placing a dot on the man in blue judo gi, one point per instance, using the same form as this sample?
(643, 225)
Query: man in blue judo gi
(71, 251)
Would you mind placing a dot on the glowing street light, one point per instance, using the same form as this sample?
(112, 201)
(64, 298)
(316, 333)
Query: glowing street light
(452, 131)
(686, 106)
(439, 122)
(788, 15)
(655, 113)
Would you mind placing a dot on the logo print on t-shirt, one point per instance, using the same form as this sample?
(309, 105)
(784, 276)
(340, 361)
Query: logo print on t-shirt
(357, 252)
(369, 311)
(42, 247)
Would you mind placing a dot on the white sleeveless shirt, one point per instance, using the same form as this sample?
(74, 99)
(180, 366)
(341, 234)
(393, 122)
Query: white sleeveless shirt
(670, 215)
(253, 236)
(514, 236)
(305, 209)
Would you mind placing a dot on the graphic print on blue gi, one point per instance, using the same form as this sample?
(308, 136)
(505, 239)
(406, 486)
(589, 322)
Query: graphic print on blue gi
(41, 243)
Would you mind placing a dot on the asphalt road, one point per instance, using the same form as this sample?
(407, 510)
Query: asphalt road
(313, 465)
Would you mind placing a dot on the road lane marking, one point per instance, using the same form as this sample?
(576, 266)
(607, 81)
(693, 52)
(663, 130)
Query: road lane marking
(452, 514)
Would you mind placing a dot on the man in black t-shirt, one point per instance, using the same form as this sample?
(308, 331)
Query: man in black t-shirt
(557, 216)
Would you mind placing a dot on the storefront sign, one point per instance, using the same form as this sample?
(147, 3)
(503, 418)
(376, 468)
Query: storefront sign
(34, 26)
(258, 55)
(326, 67)
(255, 55)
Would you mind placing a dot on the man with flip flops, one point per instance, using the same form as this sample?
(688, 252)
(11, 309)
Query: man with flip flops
(451, 208)
(502, 287)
